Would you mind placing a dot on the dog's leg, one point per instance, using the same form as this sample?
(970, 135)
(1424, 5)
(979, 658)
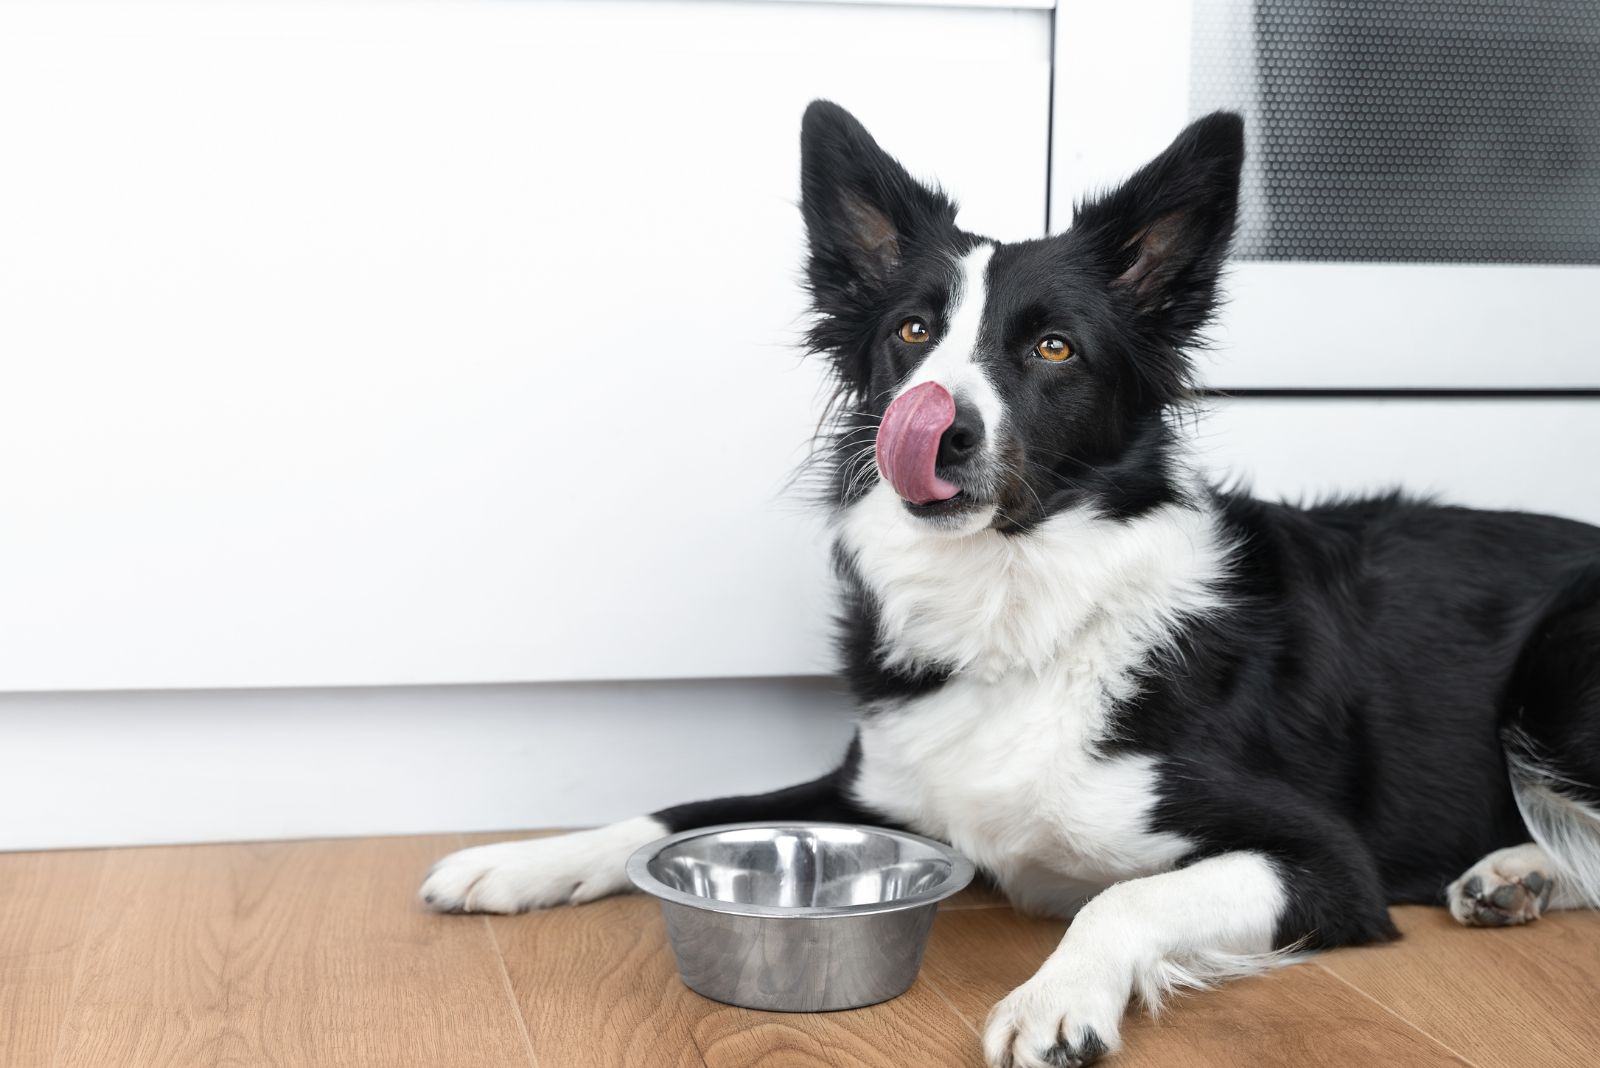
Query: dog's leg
(1213, 919)
(1280, 876)
(570, 869)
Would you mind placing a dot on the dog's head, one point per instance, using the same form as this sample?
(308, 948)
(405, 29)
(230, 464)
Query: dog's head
(992, 384)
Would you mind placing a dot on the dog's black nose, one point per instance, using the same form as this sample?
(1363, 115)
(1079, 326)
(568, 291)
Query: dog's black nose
(964, 438)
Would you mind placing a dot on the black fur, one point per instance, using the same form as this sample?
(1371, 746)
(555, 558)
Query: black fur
(1347, 713)
(861, 660)
(826, 798)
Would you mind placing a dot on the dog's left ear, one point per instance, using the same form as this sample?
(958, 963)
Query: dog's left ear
(1163, 235)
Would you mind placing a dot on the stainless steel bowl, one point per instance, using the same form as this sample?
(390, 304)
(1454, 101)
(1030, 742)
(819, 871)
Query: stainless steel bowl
(798, 917)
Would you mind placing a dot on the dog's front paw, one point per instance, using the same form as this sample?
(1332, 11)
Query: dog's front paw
(567, 869)
(1062, 1020)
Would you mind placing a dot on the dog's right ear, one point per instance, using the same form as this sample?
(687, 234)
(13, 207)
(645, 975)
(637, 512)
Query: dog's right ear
(861, 208)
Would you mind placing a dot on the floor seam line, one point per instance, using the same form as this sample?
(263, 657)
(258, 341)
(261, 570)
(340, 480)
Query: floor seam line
(692, 1027)
(505, 980)
(511, 991)
(1429, 1035)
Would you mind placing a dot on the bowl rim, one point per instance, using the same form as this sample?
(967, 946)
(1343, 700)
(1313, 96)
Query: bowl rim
(638, 868)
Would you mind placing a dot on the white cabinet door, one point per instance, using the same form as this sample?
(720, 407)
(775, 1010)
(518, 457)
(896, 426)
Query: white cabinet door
(427, 341)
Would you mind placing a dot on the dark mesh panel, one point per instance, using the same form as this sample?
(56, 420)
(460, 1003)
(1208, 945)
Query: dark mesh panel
(1411, 129)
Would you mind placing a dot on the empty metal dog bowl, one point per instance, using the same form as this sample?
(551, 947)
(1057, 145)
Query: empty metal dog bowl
(798, 917)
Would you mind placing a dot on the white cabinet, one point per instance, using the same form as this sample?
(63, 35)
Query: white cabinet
(439, 340)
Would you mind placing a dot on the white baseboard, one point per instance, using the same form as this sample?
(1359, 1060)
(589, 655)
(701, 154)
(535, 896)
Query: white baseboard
(135, 768)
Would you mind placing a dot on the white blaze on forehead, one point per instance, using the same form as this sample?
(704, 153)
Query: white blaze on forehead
(952, 362)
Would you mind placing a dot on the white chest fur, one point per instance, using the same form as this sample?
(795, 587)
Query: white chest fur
(1006, 771)
(1046, 632)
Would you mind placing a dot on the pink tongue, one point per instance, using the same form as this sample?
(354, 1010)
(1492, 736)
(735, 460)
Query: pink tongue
(908, 443)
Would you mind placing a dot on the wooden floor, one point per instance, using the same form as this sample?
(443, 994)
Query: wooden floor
(314, 954)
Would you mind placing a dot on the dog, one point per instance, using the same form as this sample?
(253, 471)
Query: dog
(1218, 732)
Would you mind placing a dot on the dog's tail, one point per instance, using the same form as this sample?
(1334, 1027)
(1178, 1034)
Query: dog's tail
(1552, 735)
(1559, 817)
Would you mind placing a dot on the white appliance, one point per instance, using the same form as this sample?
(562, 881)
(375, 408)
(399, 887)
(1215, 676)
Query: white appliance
(1423, 188)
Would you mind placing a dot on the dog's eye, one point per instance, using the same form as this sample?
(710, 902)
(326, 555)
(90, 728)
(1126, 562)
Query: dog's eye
(1055, 349)
(914, 332)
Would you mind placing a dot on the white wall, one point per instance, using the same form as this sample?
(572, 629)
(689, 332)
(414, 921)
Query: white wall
(85, 769)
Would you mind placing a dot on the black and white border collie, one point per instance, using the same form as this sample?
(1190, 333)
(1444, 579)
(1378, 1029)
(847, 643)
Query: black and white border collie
(1216, 730)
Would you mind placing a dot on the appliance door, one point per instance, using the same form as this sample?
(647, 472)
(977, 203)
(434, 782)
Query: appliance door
(1422, 197)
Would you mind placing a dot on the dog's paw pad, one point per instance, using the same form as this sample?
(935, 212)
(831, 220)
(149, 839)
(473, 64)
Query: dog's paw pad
(1054, 1021)
(1075, 1054)
(1497, 899)
(1084, 1048)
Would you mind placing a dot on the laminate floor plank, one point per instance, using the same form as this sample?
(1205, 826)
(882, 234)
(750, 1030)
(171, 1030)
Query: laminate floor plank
(46, 903)
(917, 1028)
(332, 962)
(299, 953)
(1505, 997)
(597, 986)
(150, 988)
